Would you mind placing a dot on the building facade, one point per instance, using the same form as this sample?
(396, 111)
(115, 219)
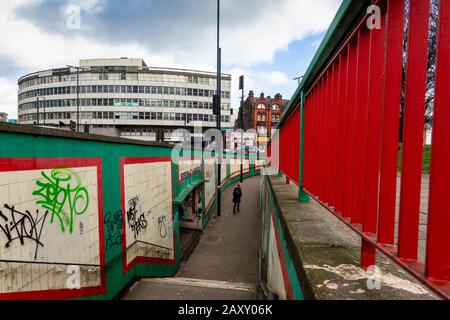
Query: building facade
(3, 117)
(263, 114)
(123, 97)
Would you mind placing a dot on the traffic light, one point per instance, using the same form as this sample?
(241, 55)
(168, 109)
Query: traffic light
(216, 104)
(73, 126)
(160, 135)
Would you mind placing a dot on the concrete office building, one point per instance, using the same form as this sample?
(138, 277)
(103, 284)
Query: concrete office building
(3, 117)
(123, 97)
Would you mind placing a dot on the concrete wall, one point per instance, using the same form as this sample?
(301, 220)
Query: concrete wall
(317, 255)
(81, 216)
(278, 269)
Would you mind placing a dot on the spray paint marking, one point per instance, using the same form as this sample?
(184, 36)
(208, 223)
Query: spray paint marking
(61, 194)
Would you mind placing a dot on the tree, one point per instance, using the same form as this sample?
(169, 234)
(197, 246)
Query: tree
(431, 71)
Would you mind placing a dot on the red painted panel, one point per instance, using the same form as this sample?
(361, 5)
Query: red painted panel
(438, 241)
(350, 131)
(307, 141)
(391, 122)
(419, 13)
(374, 125)
(333, 142)
(290, 147)
(361, 125)
(341, 120)
(323, 133)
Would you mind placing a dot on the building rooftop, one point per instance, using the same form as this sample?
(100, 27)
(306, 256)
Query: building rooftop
(136, 64)
(113, 62)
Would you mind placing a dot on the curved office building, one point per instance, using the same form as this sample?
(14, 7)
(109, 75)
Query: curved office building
(123, 97)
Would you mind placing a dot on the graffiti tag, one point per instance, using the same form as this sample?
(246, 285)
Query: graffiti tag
(113, 227)
(162, 228)
(19, 226)
(136, 222)
(61, 193)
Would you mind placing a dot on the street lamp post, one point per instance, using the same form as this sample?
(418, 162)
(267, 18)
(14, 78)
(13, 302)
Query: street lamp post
(241, 124)
(38, 115)
(45, 115)
(218, 115)
(78, 95)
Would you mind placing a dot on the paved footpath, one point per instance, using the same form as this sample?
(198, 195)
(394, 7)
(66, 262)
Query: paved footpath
(224, 265)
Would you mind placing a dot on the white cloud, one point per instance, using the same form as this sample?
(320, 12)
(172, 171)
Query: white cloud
(8, 97)
(275, 28)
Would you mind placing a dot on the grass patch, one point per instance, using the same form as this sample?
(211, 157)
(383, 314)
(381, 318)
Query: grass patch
(425, 159)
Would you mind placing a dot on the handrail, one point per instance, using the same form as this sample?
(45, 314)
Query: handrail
(349, 105)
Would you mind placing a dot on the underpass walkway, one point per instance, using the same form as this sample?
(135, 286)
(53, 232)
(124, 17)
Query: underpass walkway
(224, 265)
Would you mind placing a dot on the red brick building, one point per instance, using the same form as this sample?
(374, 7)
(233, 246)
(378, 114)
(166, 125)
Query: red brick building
(263, 114)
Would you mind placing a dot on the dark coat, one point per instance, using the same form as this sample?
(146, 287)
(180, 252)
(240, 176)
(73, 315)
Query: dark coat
(237, 194)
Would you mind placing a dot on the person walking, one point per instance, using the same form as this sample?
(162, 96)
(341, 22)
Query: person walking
(237, 195)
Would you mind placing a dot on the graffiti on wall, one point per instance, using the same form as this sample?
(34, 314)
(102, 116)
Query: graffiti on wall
(113, 228)
(49, 219)
(22, 226)
(135, 217)
(147, 211)
(62, 193)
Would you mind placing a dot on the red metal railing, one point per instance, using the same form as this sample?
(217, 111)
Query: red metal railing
(351, 116)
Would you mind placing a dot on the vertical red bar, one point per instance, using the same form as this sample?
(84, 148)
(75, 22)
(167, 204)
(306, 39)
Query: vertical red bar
(321, 155)
(416, 72)
(314, 181)
(322, 133)
(341, 121)
(374, 124)
(350, 132)
(368, 254)
(361, 125)
(438, 236)
(334, 127)
(391, 121)
(328, 135)
(307, 141)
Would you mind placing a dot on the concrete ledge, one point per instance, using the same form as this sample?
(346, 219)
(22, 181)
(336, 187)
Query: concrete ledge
(326, 254)
(56, 133)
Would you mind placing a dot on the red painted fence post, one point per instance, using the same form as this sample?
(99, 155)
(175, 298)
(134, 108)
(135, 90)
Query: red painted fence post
(438, 241)
(416, 73)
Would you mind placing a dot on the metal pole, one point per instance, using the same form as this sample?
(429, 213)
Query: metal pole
(219, 109)
(241, 122)
(37, 105)
(78, 99)
(45, 115)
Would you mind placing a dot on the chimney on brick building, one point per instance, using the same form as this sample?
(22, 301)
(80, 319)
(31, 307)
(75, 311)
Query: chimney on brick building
(251, 97)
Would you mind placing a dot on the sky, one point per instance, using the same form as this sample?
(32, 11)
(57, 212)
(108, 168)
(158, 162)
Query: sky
(270, 42)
